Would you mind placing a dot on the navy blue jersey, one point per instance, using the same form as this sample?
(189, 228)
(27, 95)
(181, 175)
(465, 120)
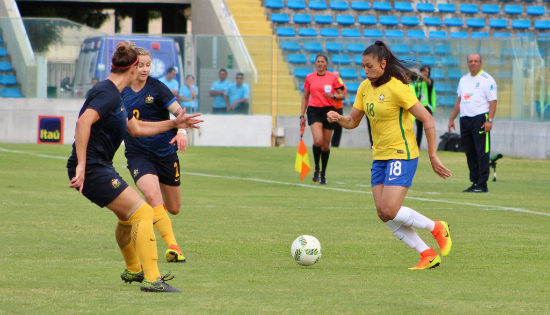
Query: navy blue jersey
(107, 133)
(150, 104)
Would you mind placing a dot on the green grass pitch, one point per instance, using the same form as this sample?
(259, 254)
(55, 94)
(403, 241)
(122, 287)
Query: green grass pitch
(241, 210)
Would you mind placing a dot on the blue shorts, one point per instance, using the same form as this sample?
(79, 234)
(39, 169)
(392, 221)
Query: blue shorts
(102, 183)
(393, 172)
(166, 169)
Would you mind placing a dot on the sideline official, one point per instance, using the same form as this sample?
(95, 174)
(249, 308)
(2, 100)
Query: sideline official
(476, 102)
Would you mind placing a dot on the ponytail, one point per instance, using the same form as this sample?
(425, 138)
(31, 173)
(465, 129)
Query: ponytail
(394, 67)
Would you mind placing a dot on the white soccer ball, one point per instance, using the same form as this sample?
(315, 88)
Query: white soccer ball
(306, 250)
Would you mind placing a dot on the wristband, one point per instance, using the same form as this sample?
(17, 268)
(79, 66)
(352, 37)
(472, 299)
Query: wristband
(490, 120)
(182, 131)
(302, 117)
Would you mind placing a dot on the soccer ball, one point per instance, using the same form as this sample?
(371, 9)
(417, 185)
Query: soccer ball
(306, 250)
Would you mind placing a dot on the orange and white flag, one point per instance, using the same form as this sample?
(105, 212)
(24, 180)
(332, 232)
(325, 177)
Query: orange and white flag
(302, 165)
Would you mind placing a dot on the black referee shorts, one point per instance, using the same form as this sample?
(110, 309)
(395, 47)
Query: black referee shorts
(319, 114)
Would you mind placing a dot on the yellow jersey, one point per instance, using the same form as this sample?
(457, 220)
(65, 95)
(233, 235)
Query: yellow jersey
(390, 121)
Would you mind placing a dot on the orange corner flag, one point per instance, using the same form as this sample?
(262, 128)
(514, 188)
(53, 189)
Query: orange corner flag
(302, 165)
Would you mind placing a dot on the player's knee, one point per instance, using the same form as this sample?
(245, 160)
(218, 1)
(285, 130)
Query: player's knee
(385, 213)
(173, 210)
(318, 143)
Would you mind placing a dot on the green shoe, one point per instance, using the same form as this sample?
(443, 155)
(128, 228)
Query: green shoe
(129, 277)
(173, 254)
(158, 285)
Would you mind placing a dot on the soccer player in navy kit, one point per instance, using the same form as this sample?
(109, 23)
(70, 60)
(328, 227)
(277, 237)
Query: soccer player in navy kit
(153, 161)
(102, 124)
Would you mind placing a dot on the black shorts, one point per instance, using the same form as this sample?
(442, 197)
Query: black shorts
(166, 169)
(102, 183)
(319, 114)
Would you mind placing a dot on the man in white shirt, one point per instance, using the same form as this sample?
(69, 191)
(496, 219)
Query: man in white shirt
(477, 103)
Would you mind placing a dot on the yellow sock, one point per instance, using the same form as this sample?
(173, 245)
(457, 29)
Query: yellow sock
(163, 224)
(124, 237)
(143, 239)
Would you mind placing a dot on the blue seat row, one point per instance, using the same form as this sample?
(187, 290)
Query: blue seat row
(10, 92)
(3, 52)
(511, 9)
(8, 79)
(5, 66)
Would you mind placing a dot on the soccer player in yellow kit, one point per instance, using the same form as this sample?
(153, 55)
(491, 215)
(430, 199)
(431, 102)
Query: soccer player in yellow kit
(388, 102)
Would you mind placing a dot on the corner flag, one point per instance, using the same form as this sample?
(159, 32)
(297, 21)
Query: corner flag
(302, 165)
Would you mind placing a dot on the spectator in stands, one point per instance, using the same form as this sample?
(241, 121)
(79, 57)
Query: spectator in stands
(170, 80)
(477, 103)
(425, 92)
(237, 95)
(95, 80)
(188, 95)
(339, 108)
(217, 91)
(322, 88)
(387, 100)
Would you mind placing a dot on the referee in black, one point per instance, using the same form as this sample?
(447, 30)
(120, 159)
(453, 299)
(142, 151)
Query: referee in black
(477, 103)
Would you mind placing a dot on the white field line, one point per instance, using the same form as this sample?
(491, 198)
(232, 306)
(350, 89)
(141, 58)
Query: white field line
(485, 207)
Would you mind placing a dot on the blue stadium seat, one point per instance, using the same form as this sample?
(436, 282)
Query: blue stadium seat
(297, 59)
(475, 23)
(536, 10)
(353, 86)
(542, 25)
(438, 34)
(355, 47)
(358, 60)
(532, 53)
(280, 18)
(416, 34)
(432, 21)
(352, 98)
(521, 24)
(367, 20)
(480, 35)
(274, 4)
(363, 75)
(437, 74)
(487, 50)
(449, 61)
(388, 20)
(446, 101)
(341, 59)
(314, 47)
(453, 22)
(330, 32)
(296, 4)
(373, 33)
(421, 49)
(410, 20)
(302, 72)
(5, 66)
(446, 7)
(360, 5)
(403, 6)
(323, 19)
(501, 34)
(11, 92)
(443, 49)
(442, 87)
(351, 33)
(348, 73)
(425, 7)
(507, 52)
(3, 52)
(339, 5)
(490, 9)
(494, 62)
(345, 20)
(382, 6)
(498, 23)
(317, 5)
(525, 34)
(302, 18)
(454, 74)
(307, 32)
(8, 79)
(513, 9)
(286, 31)
(335, 47)
(408, 58)
(427, 61)
(312, 58)
(469, 8)
(290, 46)
(400, 49)
(458, 35)
(395, 34)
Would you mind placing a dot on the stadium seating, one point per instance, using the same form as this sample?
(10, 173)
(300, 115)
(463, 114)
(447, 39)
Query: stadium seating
(302, 18)
(446, 7)
(296, 4)
(352, 87)
(469, 8)
(416, 34)
(373, 33)
(480, 35)
(400, 49)
(323, 19)
(330, 32)
(339, 5)
(280, 18)
(351, 33)
(357, 59)
(403, 6)
(314, 47)
(388, 20)
(449, 61)
(5, 66)
(355, 47)
(395, 34)
(317, 5)
(475, 23)
(410, 21)
(438, 34)
(498, 23)
(290, 46)
(8, 79)
(341, 59)
(348, 73)
(307, 32)
(443, 49)
(521, 24)
(345, 20)
(513, 9)
(458, 35)
(490, 9)
(360, 6)
(367, 20)
(3, 52)
(301, 72)
(382, 6)
(286, 31)
(536, 10)
(432, 21)
(274, 4)
(11, 92)
(542, 25)
(421, 49)
(297, 59)
(427, 61)
(453, 22)
(335, 47)
(425, 7)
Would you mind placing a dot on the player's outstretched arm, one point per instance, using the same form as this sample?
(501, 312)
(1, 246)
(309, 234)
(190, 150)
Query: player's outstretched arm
(422, 114)
(149, 128)
(350, 121)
